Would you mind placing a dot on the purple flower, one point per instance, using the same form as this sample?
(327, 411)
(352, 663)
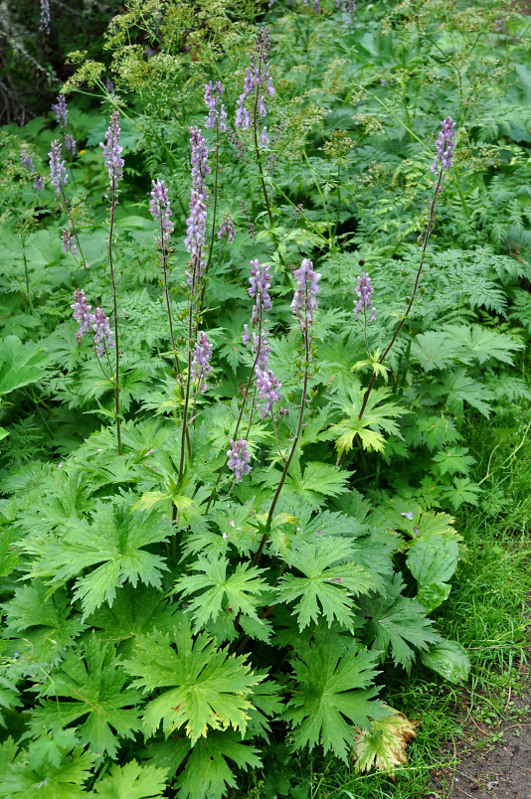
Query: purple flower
(226, 228)
(61, 111)
(256, 75)
(243, 120)
(216, 110)
(199, 159)
(239, 458)
(201, 360)
(99, 323)
(70, 144)
(38, 184)
(103, 338)
(196, 235)
(112, 151)
(364, 291)
(268, 390)
(260, 346)
(264, 137)
(347, 5)
(82, 314)
(260, 281)
(445, 146)
(68, 241)
(58, 176)
(304, 303)
(27, 161)
(44, 22)
(160, 209)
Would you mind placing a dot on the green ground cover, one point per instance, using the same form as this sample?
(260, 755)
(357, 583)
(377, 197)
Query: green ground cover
(264, 401)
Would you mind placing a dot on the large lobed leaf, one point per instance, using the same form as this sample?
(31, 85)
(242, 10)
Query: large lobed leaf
(208, 687)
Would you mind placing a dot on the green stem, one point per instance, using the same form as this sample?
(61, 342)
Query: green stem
(74, 228)
(116, 330)
(284, 474)
(26, 272)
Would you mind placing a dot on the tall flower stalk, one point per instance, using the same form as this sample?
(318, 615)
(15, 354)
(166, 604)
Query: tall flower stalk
(257, 81)
(216, 118)
(112, 152)
(59, 179)
(304, 306)
(444, 159)
(195, 243)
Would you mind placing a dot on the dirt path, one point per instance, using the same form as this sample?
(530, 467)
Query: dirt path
(501, 770)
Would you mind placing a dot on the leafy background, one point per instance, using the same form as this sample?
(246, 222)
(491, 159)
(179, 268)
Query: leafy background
(144, 651)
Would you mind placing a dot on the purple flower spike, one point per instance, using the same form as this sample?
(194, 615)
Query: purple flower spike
(445, 146)
(260, 281)
(44, 22)
(61, 111)
(268, 390)
(216, 109)
(38, 184)
(255, 76)
(196, 233)
(199, 159)
(70, 144)
(27, 161)
(112, 151)
(103, 338)
(239, 458)
(265, 349)
(364, 291)
(347, 5)
(58, 176)
(201, 360)
(226, 228)
(68, 242)
(160, 209)
(304, 303)
(82, 314)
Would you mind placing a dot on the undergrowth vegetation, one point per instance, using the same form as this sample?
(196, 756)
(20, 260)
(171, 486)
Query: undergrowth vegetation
(260, 307)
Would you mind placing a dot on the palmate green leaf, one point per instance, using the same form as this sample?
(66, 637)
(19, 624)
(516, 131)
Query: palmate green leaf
(463, 490)
(208, 770)
(45, 626)
(398, 623)
(135, 611)
(331, 693)
(239, 592)
(115, 539)
(131, 782)
(90, 690)
(326, 588)
(459, 387)
(379, 415)
(434, 350)
(19, 779)
(209, 688)
(20, 365)
(481, 344)
(319, 480)
(453, 460)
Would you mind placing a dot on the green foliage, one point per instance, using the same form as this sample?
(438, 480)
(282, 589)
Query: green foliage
(169, 629)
